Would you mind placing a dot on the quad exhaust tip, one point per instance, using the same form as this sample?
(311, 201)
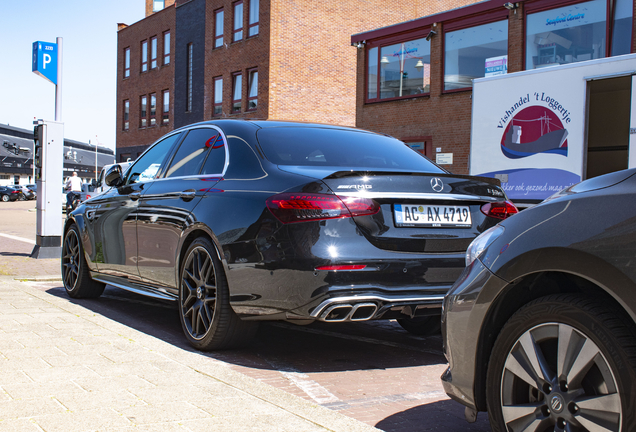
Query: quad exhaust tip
(348, 312)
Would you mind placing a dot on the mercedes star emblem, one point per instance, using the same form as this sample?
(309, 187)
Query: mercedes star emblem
(437, 184)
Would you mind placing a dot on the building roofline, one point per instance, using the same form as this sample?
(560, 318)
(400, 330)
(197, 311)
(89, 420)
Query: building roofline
(460, 12)
(67, 141)
(127, 26)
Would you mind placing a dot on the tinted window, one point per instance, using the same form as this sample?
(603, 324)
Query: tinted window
(147, 166)
(192, 152)
(339, 148)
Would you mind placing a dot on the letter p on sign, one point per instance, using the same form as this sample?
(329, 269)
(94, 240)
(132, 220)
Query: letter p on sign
(45, 60)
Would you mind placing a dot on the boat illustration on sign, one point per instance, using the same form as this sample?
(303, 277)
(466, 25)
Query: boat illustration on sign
(534, 130)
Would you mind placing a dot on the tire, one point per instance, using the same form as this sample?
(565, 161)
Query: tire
(208, 321)
(5, 198)
(21, 197)
(589, 385)
(75, 274)
(422, 326)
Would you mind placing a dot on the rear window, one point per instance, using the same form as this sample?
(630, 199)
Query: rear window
(304, 146)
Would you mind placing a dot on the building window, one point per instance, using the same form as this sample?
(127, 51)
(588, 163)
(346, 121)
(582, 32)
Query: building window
(143, 111)
(252, 28)
(252, 95)
(158, 5)
(238, 21)
(144, 56)
(153, 109)
(218, 28)
(237, 86)
(218, 96)
(622, 28)
(126, 62)
(475, 52)
(126, 115)
(166, 48)
(166, 107)
(153, 52)
(399, 70)
(189, 79)
(566, 34)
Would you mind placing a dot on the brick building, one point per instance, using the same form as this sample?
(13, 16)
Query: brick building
(414, 79)
(267, 59)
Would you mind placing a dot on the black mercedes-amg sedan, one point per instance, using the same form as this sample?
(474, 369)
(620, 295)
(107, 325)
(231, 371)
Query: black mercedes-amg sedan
(540, 329)
(242, 221)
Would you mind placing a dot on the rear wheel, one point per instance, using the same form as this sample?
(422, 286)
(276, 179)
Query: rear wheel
(75, 274)
(422, 326)
(207, 318)
(563, 363)
(5, 198)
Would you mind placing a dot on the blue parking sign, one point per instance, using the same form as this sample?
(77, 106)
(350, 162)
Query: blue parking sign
(45, 60)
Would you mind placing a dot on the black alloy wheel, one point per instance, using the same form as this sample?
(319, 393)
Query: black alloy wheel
(75, 273)
(207, 318)
(563, 363)
(21, 197)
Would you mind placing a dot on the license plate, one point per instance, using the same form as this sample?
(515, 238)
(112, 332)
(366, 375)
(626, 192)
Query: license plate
(432, 216)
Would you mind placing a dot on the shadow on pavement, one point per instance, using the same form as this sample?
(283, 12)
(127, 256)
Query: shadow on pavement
(440, 416)
(319, 347)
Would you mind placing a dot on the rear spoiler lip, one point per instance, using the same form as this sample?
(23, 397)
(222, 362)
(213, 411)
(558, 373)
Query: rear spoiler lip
(420, 196)
(343, 174)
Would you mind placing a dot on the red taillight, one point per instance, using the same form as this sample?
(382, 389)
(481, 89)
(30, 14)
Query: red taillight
(299, 207)
(499, 210)
(88, 197)
(342, 267)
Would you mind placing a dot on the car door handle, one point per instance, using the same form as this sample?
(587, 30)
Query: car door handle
(187, 195)
(134, 196)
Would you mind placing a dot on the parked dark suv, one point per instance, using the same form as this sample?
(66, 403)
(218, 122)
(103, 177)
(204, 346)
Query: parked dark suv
(540, 329)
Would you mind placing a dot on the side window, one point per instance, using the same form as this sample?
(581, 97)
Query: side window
(215, 161)
(147, 166)
(192, 152)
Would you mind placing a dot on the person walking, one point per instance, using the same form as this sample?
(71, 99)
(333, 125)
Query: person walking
(73, 184)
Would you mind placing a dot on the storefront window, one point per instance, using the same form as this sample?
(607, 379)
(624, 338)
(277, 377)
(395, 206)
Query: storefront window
(566, 35)
(402, 70)
(622, 30)
(475, 52)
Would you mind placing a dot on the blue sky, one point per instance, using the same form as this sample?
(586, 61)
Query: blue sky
(89, 32)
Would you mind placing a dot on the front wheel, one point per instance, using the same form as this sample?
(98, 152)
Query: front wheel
(75, 273)
(563, 363)
(207, 318)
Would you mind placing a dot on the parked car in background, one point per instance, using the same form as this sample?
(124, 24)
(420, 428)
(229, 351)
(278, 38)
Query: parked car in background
(100, 185)
(540, 329)
(8, 194)
(241, 221)
(25, 192)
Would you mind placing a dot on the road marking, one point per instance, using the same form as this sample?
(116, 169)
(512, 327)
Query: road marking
(359, 338)
(301, 380)
(12, 237)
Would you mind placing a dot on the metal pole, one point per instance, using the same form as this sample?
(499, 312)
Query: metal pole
(97, 142)
(58, 86)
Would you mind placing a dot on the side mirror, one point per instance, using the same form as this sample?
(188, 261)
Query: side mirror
(114, 176)
(94, 183)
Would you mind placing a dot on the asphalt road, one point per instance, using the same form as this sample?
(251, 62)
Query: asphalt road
(374, 372)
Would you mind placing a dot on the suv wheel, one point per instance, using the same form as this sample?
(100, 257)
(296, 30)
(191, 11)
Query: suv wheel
(75, 274)
(563, 363)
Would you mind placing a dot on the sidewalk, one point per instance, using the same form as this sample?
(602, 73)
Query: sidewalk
(65, 368)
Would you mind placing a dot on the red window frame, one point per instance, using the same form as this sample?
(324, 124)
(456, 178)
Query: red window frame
(237, 80)
(426, 140)
(419, 34)
(153, 109)
(144, 55)
(218, 30)
(216, 104)
(252, 26)
(126, 115)
(250, 98)
(237, 32)
(165, 105)
(126, 62)
(143, 111)
(153, 52)
(166, 47)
